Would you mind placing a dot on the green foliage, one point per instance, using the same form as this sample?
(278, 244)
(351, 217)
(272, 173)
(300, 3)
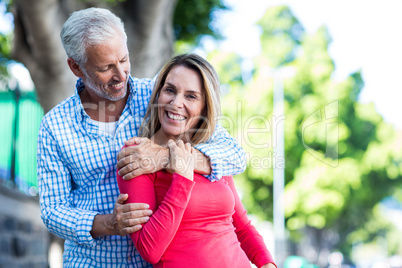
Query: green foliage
(281, 32)
(5, 46)
(192, 19)
(342, 159)
(5, 50)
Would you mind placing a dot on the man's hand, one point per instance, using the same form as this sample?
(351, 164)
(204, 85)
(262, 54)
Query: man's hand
(125, 219)
(146, 157)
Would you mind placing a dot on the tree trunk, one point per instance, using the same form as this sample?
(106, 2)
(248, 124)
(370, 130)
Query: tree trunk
(148, 23)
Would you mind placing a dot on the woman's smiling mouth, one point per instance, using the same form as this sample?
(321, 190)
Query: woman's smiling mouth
(175, 116)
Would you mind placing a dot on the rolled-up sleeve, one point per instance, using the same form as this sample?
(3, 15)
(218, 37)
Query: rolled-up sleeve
(227, 157)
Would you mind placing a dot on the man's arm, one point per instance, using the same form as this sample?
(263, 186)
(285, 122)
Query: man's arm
(219, 156)
(148, 157)
(125, 219)
(226, 156)
(58, 214)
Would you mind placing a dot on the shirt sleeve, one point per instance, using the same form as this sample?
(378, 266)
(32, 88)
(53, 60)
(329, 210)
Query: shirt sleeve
(227, 157)
(54, 183)
(250, 240)
(155, 236)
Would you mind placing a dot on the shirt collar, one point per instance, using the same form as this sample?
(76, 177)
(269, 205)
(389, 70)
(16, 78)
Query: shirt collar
(79, 109)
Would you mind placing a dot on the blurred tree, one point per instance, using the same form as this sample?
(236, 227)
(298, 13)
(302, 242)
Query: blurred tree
(149, 26)
(5, 48)
(193, 19)
(341, 159)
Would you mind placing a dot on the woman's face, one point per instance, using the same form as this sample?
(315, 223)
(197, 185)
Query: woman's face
(180, 103)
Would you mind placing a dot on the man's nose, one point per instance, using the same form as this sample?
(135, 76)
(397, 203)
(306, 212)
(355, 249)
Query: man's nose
(120, 74)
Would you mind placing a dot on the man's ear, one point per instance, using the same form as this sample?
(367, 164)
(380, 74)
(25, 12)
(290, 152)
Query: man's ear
(75, 68)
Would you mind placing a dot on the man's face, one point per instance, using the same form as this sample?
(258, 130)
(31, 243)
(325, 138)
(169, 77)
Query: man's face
(107, 69)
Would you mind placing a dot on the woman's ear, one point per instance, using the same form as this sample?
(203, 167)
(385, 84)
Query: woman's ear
(75, 68)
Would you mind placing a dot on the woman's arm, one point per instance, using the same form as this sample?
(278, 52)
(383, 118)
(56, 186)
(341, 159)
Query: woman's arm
(251, 241)
(155, 236)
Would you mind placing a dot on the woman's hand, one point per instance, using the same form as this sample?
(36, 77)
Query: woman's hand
(181, 159)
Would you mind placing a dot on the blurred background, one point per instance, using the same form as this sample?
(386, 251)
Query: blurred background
(310, 91)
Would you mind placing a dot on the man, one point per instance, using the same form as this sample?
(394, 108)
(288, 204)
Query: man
(80, 138)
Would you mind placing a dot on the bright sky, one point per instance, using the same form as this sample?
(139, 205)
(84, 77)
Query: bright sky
(366, 35)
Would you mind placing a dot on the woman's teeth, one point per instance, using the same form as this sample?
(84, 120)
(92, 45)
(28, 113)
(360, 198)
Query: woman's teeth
(176, 117)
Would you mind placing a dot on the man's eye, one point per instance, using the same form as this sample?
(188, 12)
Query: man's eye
(104, 69)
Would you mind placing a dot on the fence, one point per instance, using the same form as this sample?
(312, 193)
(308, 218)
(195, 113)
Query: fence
(20, 116)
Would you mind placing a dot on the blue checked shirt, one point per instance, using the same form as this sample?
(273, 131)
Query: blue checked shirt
(77, 175)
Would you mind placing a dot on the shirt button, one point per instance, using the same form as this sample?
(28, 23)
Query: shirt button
(129, 258)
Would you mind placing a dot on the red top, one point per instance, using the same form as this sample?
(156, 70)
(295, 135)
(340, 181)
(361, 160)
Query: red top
(194, 224)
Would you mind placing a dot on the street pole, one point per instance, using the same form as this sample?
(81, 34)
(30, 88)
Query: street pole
(279, 171)
(17, 94)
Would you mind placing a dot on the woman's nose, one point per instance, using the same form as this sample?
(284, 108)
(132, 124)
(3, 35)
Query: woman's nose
(177, 101)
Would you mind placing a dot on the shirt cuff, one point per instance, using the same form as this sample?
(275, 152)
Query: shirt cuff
(216, 169)
(84, 227)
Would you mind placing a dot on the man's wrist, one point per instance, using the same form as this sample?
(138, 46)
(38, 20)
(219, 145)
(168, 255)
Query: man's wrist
(102, 226)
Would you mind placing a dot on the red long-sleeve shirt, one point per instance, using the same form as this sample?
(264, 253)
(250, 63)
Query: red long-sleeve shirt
(194, 224)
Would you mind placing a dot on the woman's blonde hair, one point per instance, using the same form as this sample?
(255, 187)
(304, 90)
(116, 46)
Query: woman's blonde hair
(210, 85)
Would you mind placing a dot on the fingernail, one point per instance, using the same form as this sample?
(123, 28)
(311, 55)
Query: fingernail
(146, 218)
(149, 212)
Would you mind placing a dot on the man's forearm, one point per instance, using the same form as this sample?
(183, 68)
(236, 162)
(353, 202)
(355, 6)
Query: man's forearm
(202, 165)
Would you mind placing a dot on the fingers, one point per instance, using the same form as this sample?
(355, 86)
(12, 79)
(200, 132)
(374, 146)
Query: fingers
(122, 198)
(125, 166)
(129, 217)
(134, 173)
(130, 230)
(125, 170)
(179, 144)
(132, 225)
(127, 152)
(171, 144)
(135, 140)
(132, 149)
(188, 147)
(139, 209)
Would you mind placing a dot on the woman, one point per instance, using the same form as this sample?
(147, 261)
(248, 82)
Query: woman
(195, 223)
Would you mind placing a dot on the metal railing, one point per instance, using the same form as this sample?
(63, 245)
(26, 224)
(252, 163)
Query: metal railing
(20, 117)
